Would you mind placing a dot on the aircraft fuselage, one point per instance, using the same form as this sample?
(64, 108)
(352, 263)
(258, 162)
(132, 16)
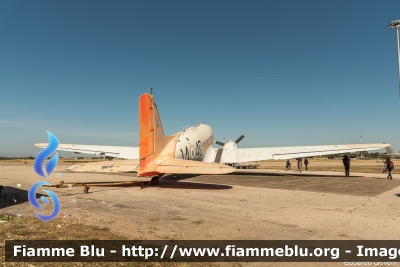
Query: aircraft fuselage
(193, 142)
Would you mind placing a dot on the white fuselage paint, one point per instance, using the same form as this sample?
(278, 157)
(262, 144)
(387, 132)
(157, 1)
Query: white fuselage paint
(194, 142)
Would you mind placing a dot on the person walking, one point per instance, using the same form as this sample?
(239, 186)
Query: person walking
(288, 165)
(390, 167)
(346, 163)
(306, 163)
(299, 163)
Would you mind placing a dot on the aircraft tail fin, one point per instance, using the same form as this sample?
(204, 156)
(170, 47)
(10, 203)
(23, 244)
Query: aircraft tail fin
(390, 150)
(152, 139)
(156, 151)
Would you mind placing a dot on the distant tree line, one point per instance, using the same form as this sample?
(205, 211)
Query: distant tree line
(365, 155)
(30, 157)
(13, 158)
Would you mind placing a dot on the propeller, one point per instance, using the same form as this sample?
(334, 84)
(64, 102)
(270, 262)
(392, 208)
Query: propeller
(237, 141)
(219, 143)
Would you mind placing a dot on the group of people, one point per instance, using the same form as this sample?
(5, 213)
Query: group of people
(389, 166)
(346, 163)
(299, 164)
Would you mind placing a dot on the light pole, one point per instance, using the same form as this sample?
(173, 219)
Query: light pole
(396, 25)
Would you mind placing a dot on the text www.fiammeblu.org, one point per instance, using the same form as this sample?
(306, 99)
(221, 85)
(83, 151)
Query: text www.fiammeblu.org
(232, 251)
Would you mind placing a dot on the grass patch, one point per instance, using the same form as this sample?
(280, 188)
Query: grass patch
(199, 221)
(60, 161)
(177, 218)
(6, 218)
(31, 228)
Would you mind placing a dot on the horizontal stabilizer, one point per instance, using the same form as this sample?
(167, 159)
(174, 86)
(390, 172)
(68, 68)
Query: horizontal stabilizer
(181, 166)
(122, 152)
(106, 166)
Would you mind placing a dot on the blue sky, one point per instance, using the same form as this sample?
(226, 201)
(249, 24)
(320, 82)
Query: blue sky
(284, 73)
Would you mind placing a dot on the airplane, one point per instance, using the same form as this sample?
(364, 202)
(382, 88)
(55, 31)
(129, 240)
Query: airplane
(189, 151)
(391, 152)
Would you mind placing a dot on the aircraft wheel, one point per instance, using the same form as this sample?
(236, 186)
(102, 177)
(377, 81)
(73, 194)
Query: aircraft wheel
(86, 189)
(155, 180)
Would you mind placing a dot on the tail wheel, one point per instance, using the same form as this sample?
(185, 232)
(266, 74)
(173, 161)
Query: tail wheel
(155, 180)
(86, 189)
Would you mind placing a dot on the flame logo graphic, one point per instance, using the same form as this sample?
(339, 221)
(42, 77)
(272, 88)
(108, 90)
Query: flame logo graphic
(32, 199)
(50, 166)
(44, 154)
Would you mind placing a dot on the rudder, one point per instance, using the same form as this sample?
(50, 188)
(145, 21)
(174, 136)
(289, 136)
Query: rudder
(151, 135)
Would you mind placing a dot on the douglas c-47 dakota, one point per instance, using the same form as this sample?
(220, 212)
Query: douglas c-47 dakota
(187, 152)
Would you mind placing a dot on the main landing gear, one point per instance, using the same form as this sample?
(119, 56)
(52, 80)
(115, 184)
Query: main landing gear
(86, 189)
(155, 180)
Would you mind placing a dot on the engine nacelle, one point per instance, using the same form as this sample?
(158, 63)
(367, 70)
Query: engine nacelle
(232, 148)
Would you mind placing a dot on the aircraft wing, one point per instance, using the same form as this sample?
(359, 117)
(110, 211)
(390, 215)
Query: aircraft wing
(255, 154)
(121, 152)
(106, 166)
(176, 166)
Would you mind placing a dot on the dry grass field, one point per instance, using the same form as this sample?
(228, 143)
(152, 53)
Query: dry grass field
(60, 161)
(268, 205)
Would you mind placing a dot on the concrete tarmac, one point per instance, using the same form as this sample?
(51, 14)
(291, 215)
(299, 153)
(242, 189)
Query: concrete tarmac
(250, 204)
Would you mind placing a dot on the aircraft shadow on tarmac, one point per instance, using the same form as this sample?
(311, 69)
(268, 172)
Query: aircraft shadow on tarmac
(11, 196)
(178, 177)
(170, 184)
(192, 185)
(304, 174)
(168, 181)
(238, 172)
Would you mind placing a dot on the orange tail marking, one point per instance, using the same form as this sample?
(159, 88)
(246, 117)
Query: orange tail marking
(146, 126)
(151, 135)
